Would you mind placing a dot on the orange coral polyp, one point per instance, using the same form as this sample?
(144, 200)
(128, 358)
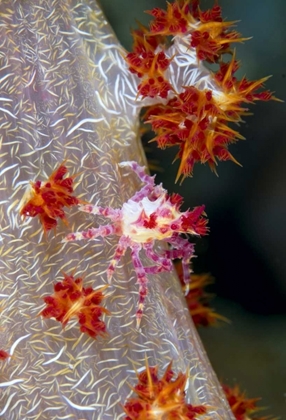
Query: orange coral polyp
(195, 119)
(159, 399)
(153, 87)
(213, 14)
(209, 34)
(235, 92)
(242, 407)
(198, 300)
(71, 299)
(150, 65)
(195, 123)
(211, 40)
(47, 199)
(171, 22)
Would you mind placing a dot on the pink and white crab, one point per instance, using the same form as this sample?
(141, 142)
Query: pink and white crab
(151, 214)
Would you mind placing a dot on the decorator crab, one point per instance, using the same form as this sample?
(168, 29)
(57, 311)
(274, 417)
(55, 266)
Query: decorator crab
(151, 214)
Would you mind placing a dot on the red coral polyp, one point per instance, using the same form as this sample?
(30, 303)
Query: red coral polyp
(198, 300)
(48, 199)
(71, 299)
(211, 40)
(161, 398)
(173, 21)
(243, 408)
(4, 355)
(197, 121)
(235, 92)
(209, 35)
(154, 87)
(196, 124)
(149, 62)
(196, 118)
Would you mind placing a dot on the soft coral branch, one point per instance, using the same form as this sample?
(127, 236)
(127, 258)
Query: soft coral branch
(195, 117)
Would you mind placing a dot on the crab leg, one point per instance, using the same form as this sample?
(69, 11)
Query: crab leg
(145, 178)
(119, 252)
(163, 263)
(91, 233)
(185, 251)
(141, 280)
(112, 214)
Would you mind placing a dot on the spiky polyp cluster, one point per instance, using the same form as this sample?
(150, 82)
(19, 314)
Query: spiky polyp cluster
(148, 61)
(150, 215)
(196, 124)
(72, 299)
(243, 408)
(208, 34)
(48, 199)
(161, 399)
(194, 119)
(198, 300)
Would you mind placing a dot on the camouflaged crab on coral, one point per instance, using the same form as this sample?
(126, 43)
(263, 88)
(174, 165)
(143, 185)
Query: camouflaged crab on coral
(70, 96)
(151, 214)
